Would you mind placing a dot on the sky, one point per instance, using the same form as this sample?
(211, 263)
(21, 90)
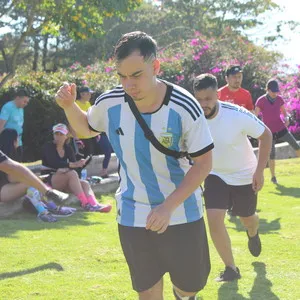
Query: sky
(290, 45)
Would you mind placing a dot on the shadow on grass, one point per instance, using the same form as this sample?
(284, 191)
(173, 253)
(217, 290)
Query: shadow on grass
(49, 266)
(28, 222)
(287, 191)
(265, 227)
(260, 290)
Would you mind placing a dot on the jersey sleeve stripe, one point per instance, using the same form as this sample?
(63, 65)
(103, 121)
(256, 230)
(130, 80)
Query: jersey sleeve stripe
(185, 107)
(202, 151)
(112, 94)
(184, 98)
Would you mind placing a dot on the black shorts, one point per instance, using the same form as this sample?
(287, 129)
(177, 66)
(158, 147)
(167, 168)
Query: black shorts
(220, 195)
(182, 250)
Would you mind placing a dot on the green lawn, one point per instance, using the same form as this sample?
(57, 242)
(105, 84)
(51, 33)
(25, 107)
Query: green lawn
(80, 257)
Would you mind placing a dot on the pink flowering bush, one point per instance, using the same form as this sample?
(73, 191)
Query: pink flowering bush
(290, 91)
(179, 64)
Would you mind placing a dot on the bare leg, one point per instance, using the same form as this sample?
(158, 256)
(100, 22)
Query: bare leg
(219, 235)
(251, 223)
(68, 182)
(298, 153)
(13, 191)
(154, 293)
(86, 188)
(182, 293)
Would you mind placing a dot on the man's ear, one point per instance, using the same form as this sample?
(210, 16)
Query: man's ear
(156, 66)
(226, 78)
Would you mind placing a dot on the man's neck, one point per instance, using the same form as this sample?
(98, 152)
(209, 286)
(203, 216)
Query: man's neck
(232, 89)
(217, 107)
(154, 99)
(271, 97)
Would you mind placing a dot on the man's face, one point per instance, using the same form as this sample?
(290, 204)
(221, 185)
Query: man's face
(137, 75)
(273, 94)
(85, 96)
(207, 98)
(21, 102)
(235, 81)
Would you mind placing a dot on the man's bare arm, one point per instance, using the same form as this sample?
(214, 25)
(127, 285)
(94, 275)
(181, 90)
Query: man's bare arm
(77, 118)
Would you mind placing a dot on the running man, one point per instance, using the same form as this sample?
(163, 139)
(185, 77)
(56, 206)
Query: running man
(236, 175)
(160, 217)
(233, 92)
(271, 105)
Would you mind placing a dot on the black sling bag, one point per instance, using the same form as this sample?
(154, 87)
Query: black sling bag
(149, 134)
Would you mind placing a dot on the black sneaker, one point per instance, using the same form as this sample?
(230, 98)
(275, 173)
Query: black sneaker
(229, 275)
(274, 180)
(254, 245)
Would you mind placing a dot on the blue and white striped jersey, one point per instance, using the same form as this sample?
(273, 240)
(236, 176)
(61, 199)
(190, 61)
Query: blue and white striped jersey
(148, 176)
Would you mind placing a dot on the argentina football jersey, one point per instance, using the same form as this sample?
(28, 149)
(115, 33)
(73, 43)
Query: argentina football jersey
(148, 176)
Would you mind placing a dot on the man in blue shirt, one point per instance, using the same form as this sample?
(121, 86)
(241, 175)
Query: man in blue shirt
(159, 203)
(12, 116)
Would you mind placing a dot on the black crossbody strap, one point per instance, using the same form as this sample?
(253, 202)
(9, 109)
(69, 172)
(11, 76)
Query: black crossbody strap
(150, 135)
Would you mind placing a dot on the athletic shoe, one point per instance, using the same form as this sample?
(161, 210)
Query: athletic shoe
(56, 196)
(274, 180)
(97, 208)
(229, 275)
(254, 245)
(63, 211)
(46, 216)
(105, 208)
(89, 207)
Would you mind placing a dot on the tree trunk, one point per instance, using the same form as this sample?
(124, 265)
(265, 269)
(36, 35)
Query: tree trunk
(55, 60)
(36, 54)
(45, 52)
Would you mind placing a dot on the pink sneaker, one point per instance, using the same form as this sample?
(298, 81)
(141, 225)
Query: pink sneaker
(105, 208)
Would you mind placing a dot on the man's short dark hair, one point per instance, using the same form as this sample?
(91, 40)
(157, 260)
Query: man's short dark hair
(22, 92)
(135, 41)
(205, 81)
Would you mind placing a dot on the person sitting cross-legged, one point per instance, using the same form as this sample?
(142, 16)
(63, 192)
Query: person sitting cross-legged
(59, 157)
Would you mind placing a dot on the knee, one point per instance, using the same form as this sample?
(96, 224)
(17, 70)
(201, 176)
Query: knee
(180, 294)
(72, 174)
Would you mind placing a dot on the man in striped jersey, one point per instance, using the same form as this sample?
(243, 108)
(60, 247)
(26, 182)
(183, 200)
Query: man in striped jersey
(236, 175)
(159, 203)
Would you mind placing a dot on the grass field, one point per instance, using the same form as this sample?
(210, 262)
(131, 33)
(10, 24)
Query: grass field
(80, 257)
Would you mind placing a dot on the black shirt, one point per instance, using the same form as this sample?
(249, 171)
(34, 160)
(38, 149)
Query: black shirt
(51, 158)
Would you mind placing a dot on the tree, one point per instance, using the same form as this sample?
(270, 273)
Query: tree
(211, 17)
(78, 18)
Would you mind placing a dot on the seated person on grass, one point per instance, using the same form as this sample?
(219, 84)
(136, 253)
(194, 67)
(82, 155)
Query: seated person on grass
(59, 158)
(17, 181)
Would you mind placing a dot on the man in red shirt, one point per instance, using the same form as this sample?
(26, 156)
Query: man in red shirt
(232, 92)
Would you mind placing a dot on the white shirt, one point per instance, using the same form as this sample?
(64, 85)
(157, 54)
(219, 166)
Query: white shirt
(147, 175)
(234, 160)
